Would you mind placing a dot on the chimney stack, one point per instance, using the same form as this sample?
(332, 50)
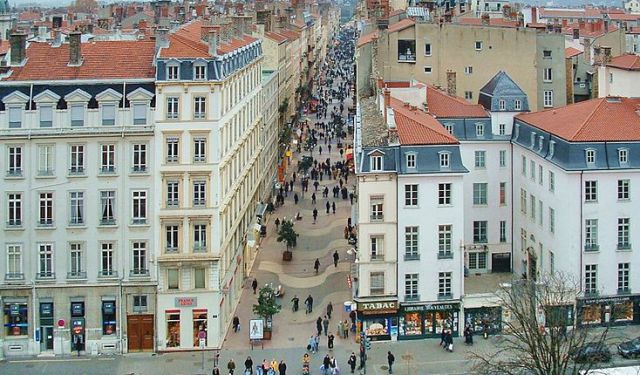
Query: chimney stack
(451, 83)
(387, 101)
(56, 22)
(606, 26)
(607, 55)
(162, 38)
(18, 41)
(213, 42)
(75, 53)
(534, 14)
(576, 33)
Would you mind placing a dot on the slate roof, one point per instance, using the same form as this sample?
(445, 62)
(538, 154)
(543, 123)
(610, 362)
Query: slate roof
(627, 62)
(591, 120)
(502, 85)
(415, 127)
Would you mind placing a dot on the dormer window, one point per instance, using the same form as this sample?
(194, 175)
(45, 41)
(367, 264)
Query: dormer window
(46, 103)
(479, 130)
(517, 104)
(590, 156)
(200, 72)
(449, 128)
(173, 72)
(15, 116)
(533, 139)
(623, 156)
(444, 159)
(502, 129)
(15, 103)
(540, 142)
(77, 114)
(109, 114)
(46, 115)
(552, 148)
(502, 105)
(376, 163)
(411, 160)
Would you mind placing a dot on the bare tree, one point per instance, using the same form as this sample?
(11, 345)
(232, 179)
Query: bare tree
(541, 335)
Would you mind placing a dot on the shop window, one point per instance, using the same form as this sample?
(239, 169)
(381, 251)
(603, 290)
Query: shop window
(623, 311)
(15, 319)
(108, 317)
(199, 325)
(411, 324)
(173, 329)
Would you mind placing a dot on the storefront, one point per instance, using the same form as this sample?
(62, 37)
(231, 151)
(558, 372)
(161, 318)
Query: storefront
(185, 321)
(377, 319)
(618, 310)
(427, 320)
(480, 317)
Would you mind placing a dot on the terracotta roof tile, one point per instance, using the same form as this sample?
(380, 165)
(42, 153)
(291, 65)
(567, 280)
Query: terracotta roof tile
(634, 30)
(627, 62)
(275, 37)
(442, 105)
(290, 34)
(591, 120)
(28, 16)
(415, 127)
(101, 60)
(571, 52)
(570, 13)
(367, 38)
(186, 43)
(590, 30)
(401, 25)
(623, 16)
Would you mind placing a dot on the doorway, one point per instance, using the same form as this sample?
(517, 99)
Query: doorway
(140, 331)
(46, 335)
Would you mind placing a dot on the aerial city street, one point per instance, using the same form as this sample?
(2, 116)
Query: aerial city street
(319, 187)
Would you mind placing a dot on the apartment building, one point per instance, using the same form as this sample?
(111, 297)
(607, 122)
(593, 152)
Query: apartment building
(208, 128)
(617, 76)
(575, 174)
(77, 203)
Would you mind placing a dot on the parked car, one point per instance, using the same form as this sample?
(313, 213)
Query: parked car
(629, 348)
(592, 352)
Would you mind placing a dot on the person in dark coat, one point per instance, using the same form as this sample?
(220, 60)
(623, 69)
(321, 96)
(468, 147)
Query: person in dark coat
(215, 371)
(282, 368)
(309, 303)
(329, 309)
(254, 284)
(390, 360)
(352, 362)
(319, 325)
(328, 207)
(248, 364)
(316, 265)
(336, 257)
(236, 324)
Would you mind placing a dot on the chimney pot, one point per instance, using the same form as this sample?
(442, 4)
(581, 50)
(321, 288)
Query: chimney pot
(451, 83)
(75, 53)
(162, 38)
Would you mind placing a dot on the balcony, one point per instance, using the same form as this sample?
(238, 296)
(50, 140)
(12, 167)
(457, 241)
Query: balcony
(591, 247)
(624, 246)
(411, 257)
(172, 159)
(199, 159)
(412, 298)
(445, 255)
(76, 171)
(408, 56)
(171, 249)
(45, 275)
(14, 172)
(199, 202)
(108, 221)
(108, 169)
(108, 274)
(14, 276)
(45, 223)
(139, 169)
(172, 203)
(139, 221)
(139, 272)
(76, 275)
(376, 217)
(14, 223)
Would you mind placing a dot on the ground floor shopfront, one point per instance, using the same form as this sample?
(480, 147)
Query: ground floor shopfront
(184, 319)
(428, 320)
(612, 310)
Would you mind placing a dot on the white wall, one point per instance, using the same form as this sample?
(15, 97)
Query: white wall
(618, 82)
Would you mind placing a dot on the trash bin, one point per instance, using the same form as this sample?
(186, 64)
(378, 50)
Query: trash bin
(347, 306)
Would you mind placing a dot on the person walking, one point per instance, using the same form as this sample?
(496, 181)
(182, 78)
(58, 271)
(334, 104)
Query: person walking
(316, 265)
(295, 198)
(282, 368)
(277, 223)
(336, 257)
(319, 325)
(313, 198)
(309, 304)
(295, 300)
(254, 284)
(330, 339)
(352, 362)
(248, 364)
(215, 371)
(312, 344)
(390, 360)
(325, 325)
(328, 207)
(231, 366)
(329, 309)
(236, 324)
(317, 343)
(333, 207)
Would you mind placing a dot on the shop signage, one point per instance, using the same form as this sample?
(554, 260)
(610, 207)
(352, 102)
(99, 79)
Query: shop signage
(606, 299)
(186, 301)
(384, 307)
(431, 307)
(15, 309)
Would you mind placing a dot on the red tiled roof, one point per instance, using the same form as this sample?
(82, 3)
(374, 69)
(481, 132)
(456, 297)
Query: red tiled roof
(590, 30)
(186, 43)
(290, 34)
(415, 127)
(442, 105)
(101, 60)
(28, 16)
(367, 38)
(401, 25)
(570, 13)
(634, 30)
(597, 120)
(495, 22)
(623, 16)
(570, 52)
(276, 37)
(627, 62)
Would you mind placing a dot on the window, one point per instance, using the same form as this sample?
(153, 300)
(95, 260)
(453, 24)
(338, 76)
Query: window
(532, 170)
(172, 231)
(540, 212)
(14, 205)
(444, 193)
(15, 161)
(411, 195)
(449, 128)
(377, 248)
(376, 282)
(479, 232)
(427, 49)
(480, 159)
(503, 193)
(552, 181)
(139, 207)
(199, 149)
(590, 278)
(406, 50)
(77, 160)
(376, 163)
(523, 201)
(503, 158)
(139, 252)
(552, 220)
(139, 114)
(173, 72)
(200, 237)
(503, 231)
(76, 257)
(590, 191)
(428, 69)
(623, 189)
(199, 278)
(140, 304)
(109, 317)
(533, 206)
(547, 98)
(444, 241)
(173, 279)
(200, 72)
(547, 76)
(546, 54)
(411, 287)
(480, 193)
(77, 114)
(106, 259)
(14, 262)
(479, 130)
(502, 129)
(502, 105)
(45, 261)
(517, 104)
(411, 160)
(540, 174)
(444, 159)
(524, 165)
(377, 212)
(172, 107)
(411, 243)
(76, 204)
(45, 217)
(444, 285)
(468, 95)
(468, 70)
(199, 193)
(478, 45)
(16, 319)
(173, 149)
(199, 107)
(45, 160)
(46, 116)
(477, 261)
(108, 114)
(552, 262)
(624, 227)
(173, 199)
(623, 156)
(590, 156)
(108, 158)
(139, 158)
(591, 235)
(623, 277)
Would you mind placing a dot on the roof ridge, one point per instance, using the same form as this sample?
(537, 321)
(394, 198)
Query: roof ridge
(411, 115)
(585, 123)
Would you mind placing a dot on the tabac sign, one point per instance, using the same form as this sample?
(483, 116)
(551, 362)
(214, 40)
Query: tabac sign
(381, 307)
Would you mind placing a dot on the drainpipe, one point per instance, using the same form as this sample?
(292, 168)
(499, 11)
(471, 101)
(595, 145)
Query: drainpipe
(581, 221)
